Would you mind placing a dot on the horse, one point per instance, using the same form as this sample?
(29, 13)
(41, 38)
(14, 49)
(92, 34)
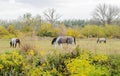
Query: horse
(99, 40)
(14, 42)
(63, 39)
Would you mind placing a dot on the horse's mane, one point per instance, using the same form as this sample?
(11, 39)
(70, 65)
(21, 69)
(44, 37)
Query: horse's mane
(53, 40)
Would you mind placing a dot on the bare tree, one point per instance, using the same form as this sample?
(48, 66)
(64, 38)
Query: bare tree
(106, 14)
(51, 16)
(27, 19)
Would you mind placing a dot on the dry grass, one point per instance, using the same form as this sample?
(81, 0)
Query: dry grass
(43, 45)
(111, 47)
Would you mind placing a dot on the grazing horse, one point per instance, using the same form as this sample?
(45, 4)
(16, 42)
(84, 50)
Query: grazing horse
(63, 39)
(14, 42)
(99, 40)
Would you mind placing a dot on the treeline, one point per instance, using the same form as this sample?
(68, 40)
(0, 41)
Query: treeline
(47, 30)
(104, 23)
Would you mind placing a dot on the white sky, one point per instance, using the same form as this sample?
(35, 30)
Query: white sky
(69, 9)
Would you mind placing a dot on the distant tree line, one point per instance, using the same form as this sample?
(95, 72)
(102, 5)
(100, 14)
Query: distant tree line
(105, 17)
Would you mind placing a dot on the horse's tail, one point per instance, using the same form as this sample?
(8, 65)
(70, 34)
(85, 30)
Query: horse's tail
(53, 40)
(75, 40)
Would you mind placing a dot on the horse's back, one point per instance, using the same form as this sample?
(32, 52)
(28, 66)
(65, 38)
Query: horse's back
(65, 39)
(14, 40)
(101, 40)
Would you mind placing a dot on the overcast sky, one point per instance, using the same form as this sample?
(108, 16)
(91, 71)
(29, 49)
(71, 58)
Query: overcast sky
(68, 9)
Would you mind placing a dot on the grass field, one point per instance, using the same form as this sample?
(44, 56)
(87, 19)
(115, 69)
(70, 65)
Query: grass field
(44, 44)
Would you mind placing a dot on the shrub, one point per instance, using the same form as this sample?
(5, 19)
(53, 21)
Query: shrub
(3, 32)
(83, 65)
(11, 63)
(73, 32)
(114, 65)
(27, 29)
(112, 31)
(92, 31)
(45, 30)
(58, 63)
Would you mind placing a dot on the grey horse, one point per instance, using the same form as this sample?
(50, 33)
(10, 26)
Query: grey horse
(99, 40)
(63, 39)
(14, 42)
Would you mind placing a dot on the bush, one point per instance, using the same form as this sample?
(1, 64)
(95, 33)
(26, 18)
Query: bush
(83, 65)
(73, 32)
(11, 63)
(58, 63)
(112, 31)
(92, 31)
(3, 32)
(114, 65)
(45, 30)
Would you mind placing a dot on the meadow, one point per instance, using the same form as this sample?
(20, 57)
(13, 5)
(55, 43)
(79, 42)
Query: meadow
(44, 44)
(37, 56)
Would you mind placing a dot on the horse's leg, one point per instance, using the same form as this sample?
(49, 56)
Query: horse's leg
(54, 45)
(12, 45)
(15, 45)
(105, 41)
(61, 45)
(73, 43)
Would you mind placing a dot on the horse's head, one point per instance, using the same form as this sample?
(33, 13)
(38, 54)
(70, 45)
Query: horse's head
(71, 40)
(18, 41)
(10, 43)
(53, 41)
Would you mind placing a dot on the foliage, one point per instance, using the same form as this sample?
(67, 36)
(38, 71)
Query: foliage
(90, 31)
(27, 29)
(45, 30)
(83, 65)
(11, 63)
(61, 30)
(73, 32)
(11, 29)
(8, 32)
(58, 63)
(112, 31)
(3, 31)
(114, 64)
(74, 22)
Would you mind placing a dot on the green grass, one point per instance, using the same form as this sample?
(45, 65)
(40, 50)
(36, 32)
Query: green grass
(44, 44)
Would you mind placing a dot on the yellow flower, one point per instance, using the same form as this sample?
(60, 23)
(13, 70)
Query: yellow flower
(1, 66)
(31, 52)
(43, 52)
